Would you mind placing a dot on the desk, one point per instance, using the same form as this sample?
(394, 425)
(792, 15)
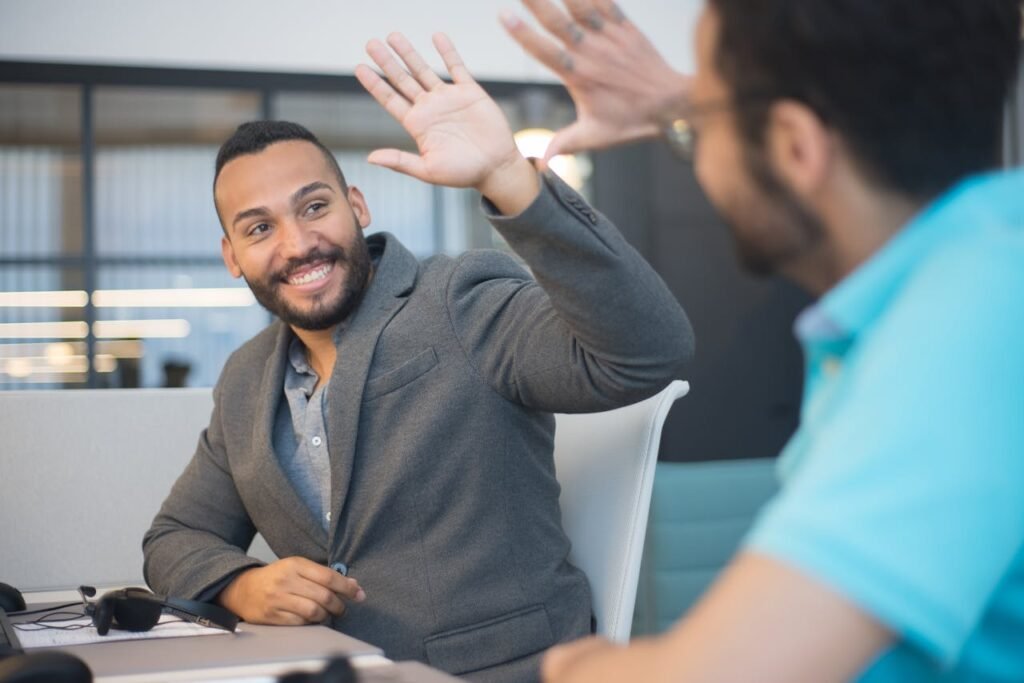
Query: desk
(253, 654)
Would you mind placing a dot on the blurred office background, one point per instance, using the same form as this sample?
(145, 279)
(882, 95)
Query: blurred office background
(110, 117)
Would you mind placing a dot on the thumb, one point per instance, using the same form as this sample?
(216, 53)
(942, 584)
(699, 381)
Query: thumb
(568, 140)
(401, 161)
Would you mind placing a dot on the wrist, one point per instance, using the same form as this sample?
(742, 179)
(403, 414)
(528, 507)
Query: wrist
(675, 102)
(673, 124)
(511, 186)
(229, 597)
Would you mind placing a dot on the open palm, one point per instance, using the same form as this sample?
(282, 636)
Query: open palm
(623, 89)
(461, 134)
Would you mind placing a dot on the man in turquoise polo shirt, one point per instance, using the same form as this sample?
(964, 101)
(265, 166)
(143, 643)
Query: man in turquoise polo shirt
(851, 145)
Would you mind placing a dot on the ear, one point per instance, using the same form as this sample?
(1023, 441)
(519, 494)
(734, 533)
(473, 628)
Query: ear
(227, 252)
(800, 147)
(359, 207)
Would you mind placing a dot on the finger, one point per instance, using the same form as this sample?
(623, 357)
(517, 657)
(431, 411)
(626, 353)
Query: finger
(321, 595)
(587, 14)
(281, 617)
(308, 611)
(397, 160)
(420, 70)
(568, 140)
(345, 587)
(611, 11)
(400, 79)
(325, 586)
(557, 22)
(452, 60)
(393, 103)
(595, 15)
(544, 50)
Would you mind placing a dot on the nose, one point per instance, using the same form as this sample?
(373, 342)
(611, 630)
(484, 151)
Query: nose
(295, 240)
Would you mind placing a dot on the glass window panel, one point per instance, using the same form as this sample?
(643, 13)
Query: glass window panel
(42, 328)
(175, 342)
(40, 170)
(155, 152)
(341, 120)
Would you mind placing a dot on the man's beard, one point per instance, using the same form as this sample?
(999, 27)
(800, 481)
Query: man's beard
(778, 212)
(324, 312)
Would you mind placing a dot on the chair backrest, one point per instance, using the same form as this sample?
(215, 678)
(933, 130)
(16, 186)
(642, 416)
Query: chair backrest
(605, 464)
(82, 473)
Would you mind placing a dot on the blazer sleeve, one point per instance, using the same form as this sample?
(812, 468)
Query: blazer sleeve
(198, 538)
(597, 328)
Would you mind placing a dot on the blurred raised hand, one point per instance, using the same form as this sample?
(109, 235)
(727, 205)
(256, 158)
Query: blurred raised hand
(622, 87)
(462, 136)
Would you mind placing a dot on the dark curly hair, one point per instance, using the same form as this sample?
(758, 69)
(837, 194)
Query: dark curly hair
(255, 136)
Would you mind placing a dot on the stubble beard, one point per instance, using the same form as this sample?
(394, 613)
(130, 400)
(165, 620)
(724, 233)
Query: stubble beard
(777, 211)
(327, 309)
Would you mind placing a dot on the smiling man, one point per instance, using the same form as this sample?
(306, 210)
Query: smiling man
(390, 435)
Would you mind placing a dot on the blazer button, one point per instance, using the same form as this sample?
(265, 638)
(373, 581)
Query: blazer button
(341, 568)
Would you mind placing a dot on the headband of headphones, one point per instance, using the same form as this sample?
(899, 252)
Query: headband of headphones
(137, 609)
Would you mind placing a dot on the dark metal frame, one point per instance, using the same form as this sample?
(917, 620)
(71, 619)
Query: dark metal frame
(1013, 138)
(266, 82)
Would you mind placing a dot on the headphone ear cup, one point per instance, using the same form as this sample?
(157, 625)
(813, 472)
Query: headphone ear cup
(133, 613)
(103, 615)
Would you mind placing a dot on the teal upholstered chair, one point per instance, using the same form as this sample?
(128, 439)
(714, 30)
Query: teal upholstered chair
(699, 514)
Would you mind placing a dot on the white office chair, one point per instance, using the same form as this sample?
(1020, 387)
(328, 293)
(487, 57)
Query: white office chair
(605, 464)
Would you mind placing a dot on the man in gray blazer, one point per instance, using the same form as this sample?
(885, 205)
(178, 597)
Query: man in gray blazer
(391, 434)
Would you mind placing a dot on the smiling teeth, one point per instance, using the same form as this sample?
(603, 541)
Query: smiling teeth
(312, 276)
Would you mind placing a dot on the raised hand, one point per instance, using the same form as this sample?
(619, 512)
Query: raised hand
(623, 89)
(462, 135)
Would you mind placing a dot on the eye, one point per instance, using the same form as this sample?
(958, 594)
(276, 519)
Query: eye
(258, 230)
(315, 207)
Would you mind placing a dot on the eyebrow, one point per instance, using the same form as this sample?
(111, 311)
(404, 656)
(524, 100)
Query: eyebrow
(296, 197)
(312, 187)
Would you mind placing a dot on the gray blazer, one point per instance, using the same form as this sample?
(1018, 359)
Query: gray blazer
(440, 433)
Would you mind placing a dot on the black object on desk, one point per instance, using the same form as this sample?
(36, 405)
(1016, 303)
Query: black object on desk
(11, 599)
(43, 667)
(9, 644)
(338, 670)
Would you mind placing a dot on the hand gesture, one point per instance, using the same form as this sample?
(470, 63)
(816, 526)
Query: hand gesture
(462, 135)
(623, 89)
(292, 591)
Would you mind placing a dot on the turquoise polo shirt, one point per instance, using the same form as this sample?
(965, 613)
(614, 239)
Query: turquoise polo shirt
(903, 488)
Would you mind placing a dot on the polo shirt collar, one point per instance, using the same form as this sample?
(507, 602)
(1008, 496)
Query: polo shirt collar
(853, 304)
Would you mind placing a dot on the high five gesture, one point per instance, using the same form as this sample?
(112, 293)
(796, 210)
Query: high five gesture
(461, 134)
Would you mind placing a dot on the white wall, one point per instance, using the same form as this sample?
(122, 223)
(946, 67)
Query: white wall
(314, 36)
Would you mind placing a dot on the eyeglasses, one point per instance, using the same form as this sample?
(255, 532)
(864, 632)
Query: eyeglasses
(681, 135)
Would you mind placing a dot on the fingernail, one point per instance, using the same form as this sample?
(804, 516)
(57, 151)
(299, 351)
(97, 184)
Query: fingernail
(509, 19)
(361, 595)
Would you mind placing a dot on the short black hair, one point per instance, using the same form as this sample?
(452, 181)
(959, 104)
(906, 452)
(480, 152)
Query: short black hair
(916, 89)
(255, 136)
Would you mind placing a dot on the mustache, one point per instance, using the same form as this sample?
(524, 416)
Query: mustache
(334, 253)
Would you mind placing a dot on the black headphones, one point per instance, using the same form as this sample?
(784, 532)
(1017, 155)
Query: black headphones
(137, 609)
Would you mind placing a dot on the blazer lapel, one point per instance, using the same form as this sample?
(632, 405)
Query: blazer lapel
(276, 486)
(393, 279)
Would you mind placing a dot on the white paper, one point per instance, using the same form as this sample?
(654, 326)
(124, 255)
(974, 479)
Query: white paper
(37, 635)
